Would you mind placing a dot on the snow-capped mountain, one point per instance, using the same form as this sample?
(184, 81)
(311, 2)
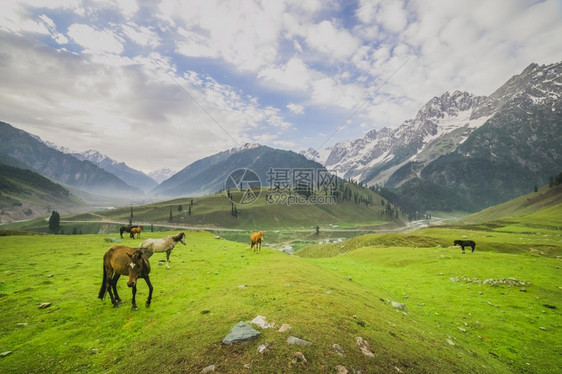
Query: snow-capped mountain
(440, 124)
(517, 127)
(129, 175)
(439, 127)
(161, 175)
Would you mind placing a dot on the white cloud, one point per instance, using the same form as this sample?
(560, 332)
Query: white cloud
(296, 108)
(95, 41)
(141, 35)
(331, 41)
(295, 75)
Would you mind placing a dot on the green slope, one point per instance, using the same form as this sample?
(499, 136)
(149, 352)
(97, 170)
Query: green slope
(526, 205)
(451, 325)
(216, 211)
(25, 194)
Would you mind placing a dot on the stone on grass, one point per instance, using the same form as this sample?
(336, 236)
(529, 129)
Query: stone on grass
(261, 321)
(242, 332)
(112, 240)
(336, 348)
(208, 369)
(364, 347)
(264, 348)
(399, 306)
(284, 327)
(341, 369)
(299, 359)
(45, 305)
(297, 341)
(5, 354)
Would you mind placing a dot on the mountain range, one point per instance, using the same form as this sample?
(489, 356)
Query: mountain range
(209, 174)
(461, 151)
(474, 151)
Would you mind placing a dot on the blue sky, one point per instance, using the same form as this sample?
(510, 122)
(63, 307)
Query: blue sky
(163, 83)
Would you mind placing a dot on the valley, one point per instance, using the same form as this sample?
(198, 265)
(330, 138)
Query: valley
(495, 310)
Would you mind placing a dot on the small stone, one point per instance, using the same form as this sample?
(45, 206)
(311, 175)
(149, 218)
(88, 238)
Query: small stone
(399, 306)
(461, 329)
(523, 289)
(5, 354)
(45, 305)
(542, 328)
(450, 342)
(262, 322)
(336, 348)
(208, 369)
(284, 327)
(297, 341)
(341, 369)
(348, 277)
(205, 311)
(242, 286)
(299, 359)
(50, 275)
(364, 347)
(22, 324)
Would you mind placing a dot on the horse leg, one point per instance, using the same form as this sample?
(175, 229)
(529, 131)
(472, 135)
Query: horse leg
(472, 248)
(462, 246)
(134, 301)
(168, 259)
(150, 288)
(114, 285)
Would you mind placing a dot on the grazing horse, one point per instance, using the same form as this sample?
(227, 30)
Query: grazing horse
(121, 260)
(136, 230)
(125, 229)
(149, 246)
(465, 243)
(255, 240)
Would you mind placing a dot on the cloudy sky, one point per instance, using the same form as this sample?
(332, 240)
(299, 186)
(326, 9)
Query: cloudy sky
(162, 83)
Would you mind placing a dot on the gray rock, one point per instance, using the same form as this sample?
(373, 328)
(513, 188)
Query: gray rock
(5, 354)
(336, 348)
(242, 332)
(208, 369)
(297, 341)
(399, 306)
(364, 347)
(112, 240)
(341, 369)
(299, 359)
(45, 305)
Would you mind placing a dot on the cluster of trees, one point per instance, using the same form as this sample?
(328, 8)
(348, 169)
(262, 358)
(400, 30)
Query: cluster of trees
(555, 181)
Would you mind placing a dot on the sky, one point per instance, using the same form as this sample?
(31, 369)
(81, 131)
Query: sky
(163, 83)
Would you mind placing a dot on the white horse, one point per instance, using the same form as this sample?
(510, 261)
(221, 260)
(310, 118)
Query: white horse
(166, 244)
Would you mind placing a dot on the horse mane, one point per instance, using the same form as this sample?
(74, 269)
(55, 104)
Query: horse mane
(178, 236)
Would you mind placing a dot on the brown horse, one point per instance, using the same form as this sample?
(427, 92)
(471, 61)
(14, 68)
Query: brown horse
(255, 240)
(121, 260)
(126, 229)
(137, 231)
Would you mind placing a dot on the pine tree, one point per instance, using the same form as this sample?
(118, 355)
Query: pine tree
(54, 222)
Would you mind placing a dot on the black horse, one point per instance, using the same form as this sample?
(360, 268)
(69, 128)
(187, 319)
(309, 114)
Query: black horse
(465, 243)
(126, 229)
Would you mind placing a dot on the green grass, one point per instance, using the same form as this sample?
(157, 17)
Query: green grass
(314, 294)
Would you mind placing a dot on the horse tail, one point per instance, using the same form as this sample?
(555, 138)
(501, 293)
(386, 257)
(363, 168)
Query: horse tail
(103, 288)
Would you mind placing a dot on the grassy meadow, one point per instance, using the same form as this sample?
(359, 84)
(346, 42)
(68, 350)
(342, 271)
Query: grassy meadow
(460, 316)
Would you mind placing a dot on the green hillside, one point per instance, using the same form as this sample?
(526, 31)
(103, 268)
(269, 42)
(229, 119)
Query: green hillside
(217, 211)
(524, 205)
(25, 194)
(492, 311)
